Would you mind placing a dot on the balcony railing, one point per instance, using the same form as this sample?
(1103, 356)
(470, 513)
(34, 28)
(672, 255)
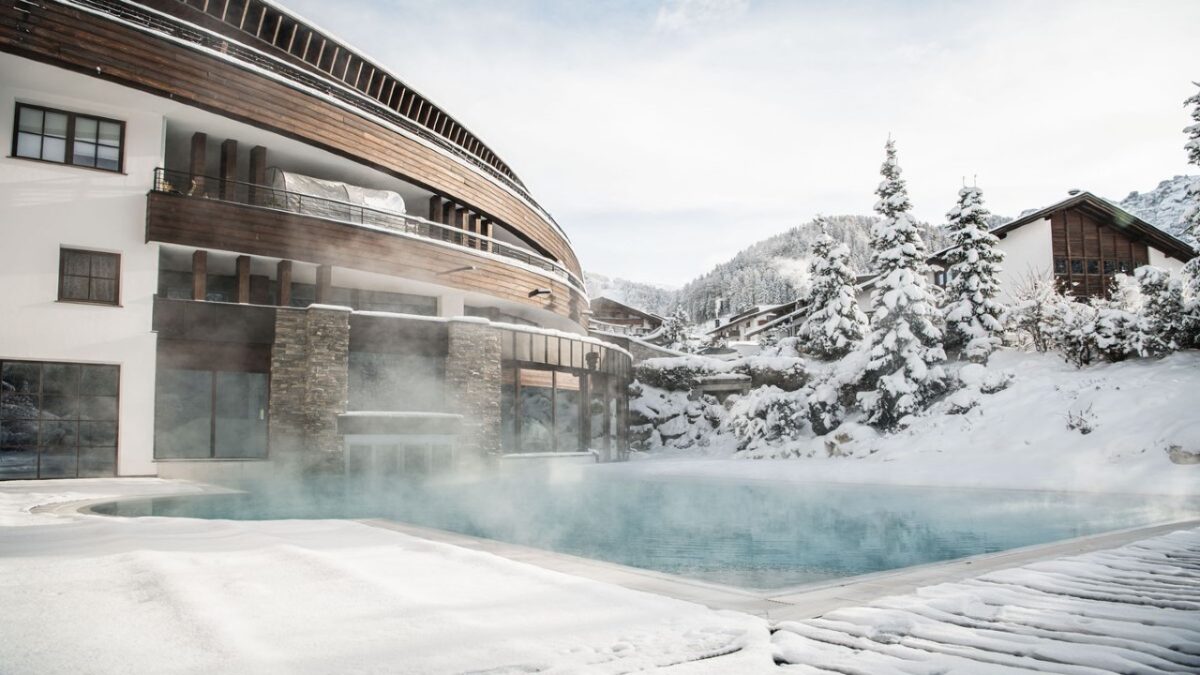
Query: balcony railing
(184, 184)
(345, 75)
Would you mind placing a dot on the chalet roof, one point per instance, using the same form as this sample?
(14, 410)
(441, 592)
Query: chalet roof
(752, 313)
(797, 311)
(1130, 224)
(631, 310)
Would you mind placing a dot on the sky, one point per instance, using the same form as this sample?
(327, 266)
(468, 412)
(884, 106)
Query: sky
(666, 135)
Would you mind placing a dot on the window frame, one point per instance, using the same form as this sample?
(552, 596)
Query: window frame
(62, 253)
(69, 152)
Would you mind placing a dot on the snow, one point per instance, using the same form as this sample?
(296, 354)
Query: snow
(1017, 437)
(96, 594)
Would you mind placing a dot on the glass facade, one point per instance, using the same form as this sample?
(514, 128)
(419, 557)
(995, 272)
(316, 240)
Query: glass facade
(561, 411)
(210, 414)
(58, 420)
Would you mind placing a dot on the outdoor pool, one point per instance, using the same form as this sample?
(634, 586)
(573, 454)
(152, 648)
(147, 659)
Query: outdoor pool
(761, 536)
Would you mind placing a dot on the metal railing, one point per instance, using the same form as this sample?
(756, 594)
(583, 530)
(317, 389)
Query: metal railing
(182, 183)
(464, 144)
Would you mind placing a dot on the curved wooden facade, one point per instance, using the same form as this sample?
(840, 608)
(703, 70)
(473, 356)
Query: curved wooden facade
(167, 56)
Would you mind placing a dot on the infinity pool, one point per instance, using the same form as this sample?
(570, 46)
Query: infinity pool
(763, 536)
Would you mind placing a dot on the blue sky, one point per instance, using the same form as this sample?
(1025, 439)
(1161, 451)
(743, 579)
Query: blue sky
(664, 136)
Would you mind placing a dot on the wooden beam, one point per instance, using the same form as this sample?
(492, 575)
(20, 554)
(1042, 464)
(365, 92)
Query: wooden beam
(200, 275)
(228, 169)
(197, 162)
(258, 171)
(435, 209)
(283, 279)
(324, 283)
(243, 279)
(461, 215)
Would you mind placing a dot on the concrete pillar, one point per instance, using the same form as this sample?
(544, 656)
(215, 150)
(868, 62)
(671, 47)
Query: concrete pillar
(473, 386)
(452, 304)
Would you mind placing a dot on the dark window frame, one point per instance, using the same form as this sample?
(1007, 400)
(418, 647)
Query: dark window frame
(63, 251)
(212, 455)
(77, 418)
(69, 139)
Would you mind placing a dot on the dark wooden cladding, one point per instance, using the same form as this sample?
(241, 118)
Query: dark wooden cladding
(70, 38)
(1088, 252)
(223, 226)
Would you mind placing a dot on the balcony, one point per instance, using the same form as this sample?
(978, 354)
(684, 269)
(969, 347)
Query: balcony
(206, 212)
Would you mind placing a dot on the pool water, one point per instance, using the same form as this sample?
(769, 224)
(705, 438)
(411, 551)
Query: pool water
(762, 536)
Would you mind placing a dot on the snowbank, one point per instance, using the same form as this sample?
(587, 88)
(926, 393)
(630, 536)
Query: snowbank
(1107, 427)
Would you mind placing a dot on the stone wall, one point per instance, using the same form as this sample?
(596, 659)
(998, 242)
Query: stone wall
(473, 386)
(309, 379)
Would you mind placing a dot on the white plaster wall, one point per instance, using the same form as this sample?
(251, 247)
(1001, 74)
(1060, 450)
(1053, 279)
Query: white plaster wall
(1157, 259)
(45, 206)
(1027, 252)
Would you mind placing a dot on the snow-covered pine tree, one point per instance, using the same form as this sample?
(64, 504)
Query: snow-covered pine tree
(974, 318)
(1162, 315)
(835, 325)
(904, 369)
(1193, 152)
(1191, 299)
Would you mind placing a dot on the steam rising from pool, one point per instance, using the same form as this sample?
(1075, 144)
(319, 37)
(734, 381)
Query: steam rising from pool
(760, 535)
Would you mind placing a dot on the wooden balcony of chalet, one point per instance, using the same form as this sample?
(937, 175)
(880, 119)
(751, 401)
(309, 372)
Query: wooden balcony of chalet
(208, 212)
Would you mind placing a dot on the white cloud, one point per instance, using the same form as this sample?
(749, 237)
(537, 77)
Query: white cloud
(662, 153)
(684, 15)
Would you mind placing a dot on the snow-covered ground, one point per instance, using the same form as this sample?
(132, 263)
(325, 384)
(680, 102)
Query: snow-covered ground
(94, 594)
(1020, 437)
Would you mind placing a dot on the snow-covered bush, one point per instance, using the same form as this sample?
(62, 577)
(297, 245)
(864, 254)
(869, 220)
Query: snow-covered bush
(1117, 333)
(1163, 323)
(825, 411)
(765, 416)
(835, 324)
(671, 419)
(784, 372)
(1034, 315)
(676, 373)
(904, 372)
(1075, 336)
(974, 318)
(674, 332)
(1083, 421)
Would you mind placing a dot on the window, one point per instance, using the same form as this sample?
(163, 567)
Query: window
(68, 138)
(89, 276)
(58, 420)
(204, 414)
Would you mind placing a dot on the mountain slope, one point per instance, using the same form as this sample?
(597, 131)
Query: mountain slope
(1164, 206)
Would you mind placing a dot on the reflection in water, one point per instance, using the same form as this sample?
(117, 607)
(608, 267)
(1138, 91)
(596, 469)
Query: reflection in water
(761, 536)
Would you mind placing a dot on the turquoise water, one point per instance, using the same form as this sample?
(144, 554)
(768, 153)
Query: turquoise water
(765, 536)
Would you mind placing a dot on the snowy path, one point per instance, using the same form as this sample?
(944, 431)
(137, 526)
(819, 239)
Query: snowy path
(1135, 609)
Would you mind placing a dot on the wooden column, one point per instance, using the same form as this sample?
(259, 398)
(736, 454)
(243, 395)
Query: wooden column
(200, 275)
(197, 163)
(435, 209)
(473, 228)
(460, 221)
(324, 283)
(228, 169)
(485, 228)
(283, 279)
(258, 172)
(243, 279)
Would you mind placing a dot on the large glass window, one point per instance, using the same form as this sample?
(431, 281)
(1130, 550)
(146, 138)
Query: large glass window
(89, 276)
(395, 382)
(58, 420)
(204, 414)
(566, 412)
(68, 138)
(536, 411)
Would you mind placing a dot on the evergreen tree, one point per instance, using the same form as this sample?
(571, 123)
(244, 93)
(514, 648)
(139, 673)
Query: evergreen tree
(1191, 298)
(1162, 310)
(835, 325)
(903, 372)
(974, 319)
(1193, 152)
